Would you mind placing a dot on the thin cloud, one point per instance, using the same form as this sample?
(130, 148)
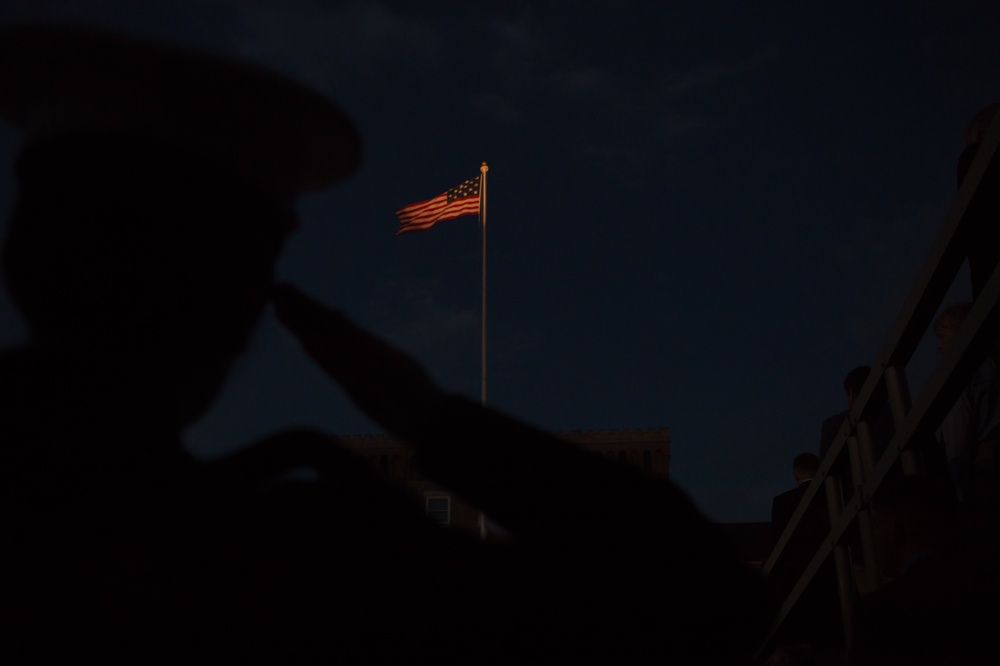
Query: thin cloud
(582, 81)
(323, 45)
(891, 253)
(609, 118)
(711, 76)
(417, 321)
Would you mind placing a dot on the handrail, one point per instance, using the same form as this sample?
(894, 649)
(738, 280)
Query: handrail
(972, 344)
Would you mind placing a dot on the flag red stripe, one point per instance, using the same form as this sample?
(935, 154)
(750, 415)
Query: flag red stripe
(425, 214)
(421, 206)
(434, 208)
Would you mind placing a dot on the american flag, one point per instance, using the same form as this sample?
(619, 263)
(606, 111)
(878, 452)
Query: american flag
(460, 200)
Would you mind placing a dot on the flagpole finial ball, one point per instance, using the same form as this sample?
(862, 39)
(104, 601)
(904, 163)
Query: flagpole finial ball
(484, 168)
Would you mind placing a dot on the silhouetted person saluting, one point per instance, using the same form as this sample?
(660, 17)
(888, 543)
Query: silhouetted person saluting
(155, 190)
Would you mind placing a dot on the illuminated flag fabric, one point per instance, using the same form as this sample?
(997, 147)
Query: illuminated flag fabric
(460, 200)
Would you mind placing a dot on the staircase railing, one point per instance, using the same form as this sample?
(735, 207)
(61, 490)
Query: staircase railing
(914, 421)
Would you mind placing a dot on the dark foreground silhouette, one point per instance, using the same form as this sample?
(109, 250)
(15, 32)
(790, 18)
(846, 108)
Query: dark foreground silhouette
(154, 193)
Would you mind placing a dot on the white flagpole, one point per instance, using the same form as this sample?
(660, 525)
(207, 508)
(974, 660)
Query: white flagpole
(482, 223)
(482, 219)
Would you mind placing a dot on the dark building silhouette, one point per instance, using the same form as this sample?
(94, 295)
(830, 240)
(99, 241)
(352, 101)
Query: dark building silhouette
(647, 449)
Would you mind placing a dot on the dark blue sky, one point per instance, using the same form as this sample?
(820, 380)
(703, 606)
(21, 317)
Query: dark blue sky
(701, 215)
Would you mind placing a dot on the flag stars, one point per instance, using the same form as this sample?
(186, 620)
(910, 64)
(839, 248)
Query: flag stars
(468, 188)
(460, 200)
